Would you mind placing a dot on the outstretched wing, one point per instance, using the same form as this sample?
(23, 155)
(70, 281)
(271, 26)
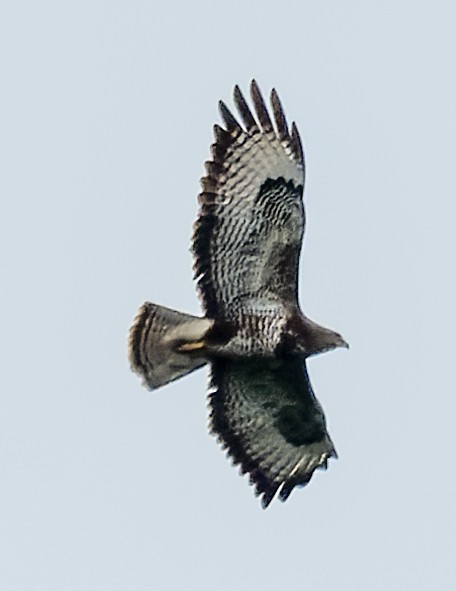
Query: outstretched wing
(266, 414)
(249, 230)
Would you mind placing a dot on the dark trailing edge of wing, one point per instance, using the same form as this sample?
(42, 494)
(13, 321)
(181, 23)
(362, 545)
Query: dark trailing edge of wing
(232, 443)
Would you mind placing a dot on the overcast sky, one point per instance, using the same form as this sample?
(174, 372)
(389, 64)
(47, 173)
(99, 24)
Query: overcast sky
(106, 119)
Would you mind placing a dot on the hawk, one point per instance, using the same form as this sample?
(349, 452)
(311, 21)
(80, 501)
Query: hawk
(246, 245)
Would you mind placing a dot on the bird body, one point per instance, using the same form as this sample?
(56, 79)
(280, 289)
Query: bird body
(247, 242)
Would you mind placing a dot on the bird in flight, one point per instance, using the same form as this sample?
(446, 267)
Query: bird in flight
(253, 335)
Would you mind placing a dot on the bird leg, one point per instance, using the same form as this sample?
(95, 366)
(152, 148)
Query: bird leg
(195, 346)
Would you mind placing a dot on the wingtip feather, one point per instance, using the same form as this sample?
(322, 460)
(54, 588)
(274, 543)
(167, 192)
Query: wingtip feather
(229, 120)
(260, 107)
(279, 116)
(244, 110)
(296, 143)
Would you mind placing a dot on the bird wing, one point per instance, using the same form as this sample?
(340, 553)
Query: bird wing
(249, 230)
(267, 416)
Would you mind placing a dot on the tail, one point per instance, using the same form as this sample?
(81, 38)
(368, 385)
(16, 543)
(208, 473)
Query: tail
(165, 345)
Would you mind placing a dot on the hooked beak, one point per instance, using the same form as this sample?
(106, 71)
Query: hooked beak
(343, 343)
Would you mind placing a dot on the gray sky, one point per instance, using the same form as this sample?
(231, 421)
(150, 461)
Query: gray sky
(106, 120)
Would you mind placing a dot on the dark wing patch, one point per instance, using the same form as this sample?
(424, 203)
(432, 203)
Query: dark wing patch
(265, 413)
(251, 203)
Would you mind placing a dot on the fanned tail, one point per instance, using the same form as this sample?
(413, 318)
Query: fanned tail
(165, 345)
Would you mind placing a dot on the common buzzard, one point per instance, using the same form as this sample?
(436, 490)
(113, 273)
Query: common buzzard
(246, 245)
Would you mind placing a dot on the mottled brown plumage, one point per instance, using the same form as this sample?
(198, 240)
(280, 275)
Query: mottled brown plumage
(247, 242)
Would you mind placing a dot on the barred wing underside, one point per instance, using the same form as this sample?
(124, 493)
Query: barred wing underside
(266, 414)
(249, 230)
